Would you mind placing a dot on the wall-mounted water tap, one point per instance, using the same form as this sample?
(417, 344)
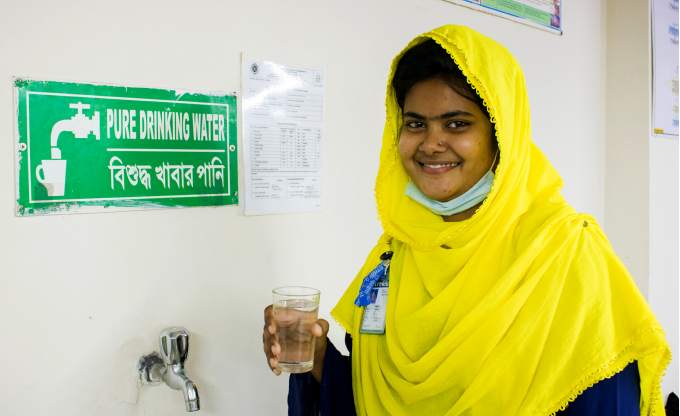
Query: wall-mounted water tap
(174, 343)
(80, 125)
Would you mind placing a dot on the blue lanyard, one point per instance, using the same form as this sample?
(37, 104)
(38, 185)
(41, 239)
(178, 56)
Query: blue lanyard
(381, 270)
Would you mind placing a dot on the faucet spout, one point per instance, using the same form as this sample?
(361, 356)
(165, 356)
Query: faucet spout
(60, 127)
(177, 378)
(174, 342)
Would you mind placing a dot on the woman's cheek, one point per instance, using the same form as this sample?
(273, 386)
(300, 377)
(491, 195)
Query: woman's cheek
(468, 145)
(405, 148)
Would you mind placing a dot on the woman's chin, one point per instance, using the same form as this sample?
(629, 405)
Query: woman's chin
(441, 190)
(438, 196)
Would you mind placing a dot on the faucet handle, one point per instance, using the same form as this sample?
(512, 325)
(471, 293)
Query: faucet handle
(174, 343)
(80, 106)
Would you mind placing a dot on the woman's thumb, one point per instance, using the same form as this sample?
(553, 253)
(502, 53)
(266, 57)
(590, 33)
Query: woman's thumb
(320, 328)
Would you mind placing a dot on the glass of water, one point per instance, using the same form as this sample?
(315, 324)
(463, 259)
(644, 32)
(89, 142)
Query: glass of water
(295, 311)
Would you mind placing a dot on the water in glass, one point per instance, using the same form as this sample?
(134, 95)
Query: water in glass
(294, 319)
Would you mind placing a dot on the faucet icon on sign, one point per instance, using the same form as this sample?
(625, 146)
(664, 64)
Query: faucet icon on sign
(54, 170)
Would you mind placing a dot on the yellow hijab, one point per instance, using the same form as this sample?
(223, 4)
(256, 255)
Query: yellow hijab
(515, 311)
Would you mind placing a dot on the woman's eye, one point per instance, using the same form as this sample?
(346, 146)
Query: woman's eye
(457, 124)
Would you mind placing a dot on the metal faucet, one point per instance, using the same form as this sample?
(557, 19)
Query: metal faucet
(174, 343)
(79, 125)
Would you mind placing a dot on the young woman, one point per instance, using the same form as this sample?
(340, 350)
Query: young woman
(502, 299)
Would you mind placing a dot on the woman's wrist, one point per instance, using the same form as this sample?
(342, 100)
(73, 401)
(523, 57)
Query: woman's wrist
(319, 357)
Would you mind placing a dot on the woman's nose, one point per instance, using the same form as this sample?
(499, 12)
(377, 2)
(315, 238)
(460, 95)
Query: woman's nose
(433, 143)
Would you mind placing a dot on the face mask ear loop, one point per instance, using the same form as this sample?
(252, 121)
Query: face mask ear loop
(494, 159)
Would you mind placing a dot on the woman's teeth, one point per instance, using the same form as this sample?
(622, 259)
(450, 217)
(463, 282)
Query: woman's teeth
(440, 166)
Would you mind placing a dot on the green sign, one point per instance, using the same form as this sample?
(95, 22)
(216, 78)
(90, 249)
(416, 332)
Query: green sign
(523, 8)
(543, 14)
(92, 148)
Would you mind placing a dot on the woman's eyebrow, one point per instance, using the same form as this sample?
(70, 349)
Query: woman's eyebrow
(450, 114)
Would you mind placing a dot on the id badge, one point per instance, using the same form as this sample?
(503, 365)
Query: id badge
(373, 321)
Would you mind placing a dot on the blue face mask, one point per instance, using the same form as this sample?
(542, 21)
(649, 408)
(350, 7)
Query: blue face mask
(469, 199)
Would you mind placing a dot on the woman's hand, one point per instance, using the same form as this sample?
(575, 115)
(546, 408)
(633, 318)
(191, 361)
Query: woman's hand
(271, 345)
(320, 331)
(272, 348)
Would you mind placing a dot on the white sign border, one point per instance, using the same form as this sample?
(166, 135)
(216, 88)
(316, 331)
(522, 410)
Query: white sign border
(28, 148)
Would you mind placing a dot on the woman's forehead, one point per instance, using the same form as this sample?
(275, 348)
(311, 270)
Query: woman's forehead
(434, 98)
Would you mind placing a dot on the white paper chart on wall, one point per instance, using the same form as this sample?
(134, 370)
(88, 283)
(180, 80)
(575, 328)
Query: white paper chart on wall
(665, 61)
(283, 109)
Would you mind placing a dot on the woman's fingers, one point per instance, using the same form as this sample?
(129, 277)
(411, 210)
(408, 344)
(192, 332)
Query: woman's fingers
(272, 350)
(268, 316)
(273, 362)
(270, 344)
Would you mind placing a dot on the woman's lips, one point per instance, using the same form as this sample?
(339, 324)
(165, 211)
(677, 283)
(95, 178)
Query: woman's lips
(437, 168)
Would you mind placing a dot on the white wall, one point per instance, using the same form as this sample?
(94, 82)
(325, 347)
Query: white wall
(641, 179)
(663, 246)
(627, 134)
(83, 296)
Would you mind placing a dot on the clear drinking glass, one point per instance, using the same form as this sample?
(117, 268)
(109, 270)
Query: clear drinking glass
(295, 311)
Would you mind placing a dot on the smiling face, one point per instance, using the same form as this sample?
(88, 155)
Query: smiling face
(447, 143)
